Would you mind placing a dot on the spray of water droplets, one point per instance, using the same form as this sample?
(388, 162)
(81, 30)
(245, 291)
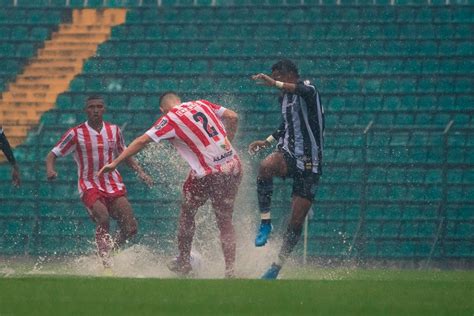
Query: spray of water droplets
(169, 171)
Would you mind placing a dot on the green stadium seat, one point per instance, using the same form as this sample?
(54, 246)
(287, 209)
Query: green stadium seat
(17, 226)
(41, 33)
(80, 3)
(14, 244)
(78, 84)
(145, 66)
(398, 66)
(5, 32)
(70, 227)
(64, 245)
(7, 49)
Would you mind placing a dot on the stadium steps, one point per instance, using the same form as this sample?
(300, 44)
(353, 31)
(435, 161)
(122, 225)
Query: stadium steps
(49, 73)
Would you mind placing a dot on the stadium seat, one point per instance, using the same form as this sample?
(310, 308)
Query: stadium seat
(400, 66)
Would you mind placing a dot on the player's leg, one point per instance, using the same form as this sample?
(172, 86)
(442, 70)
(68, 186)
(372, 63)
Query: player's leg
(300, 207)
(194, 196)
(100, 215)
(273, 165)
(303, 194)
(122, 211)
(223, 193)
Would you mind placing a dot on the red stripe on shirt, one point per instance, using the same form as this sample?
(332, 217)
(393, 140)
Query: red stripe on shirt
(214, 107)
(214, 118)
(193, 111)
(192, 146)
(66, 148)
(120, 144)
(64, 136)
(69, 143)
(120, 148)
(90, 159)
(100, 150)
(194, 128)
(110, 136)
(197, 105)
(165, 129)
(80, 156)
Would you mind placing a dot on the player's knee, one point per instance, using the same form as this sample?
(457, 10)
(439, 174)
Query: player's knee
(101, 218)
(266, 170)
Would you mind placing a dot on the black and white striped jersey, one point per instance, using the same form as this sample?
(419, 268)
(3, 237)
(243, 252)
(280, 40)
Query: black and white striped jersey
(301, 133)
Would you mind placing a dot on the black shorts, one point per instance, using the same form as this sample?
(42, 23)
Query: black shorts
(304, 181)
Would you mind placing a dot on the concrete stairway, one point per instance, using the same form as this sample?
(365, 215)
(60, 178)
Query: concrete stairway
(48, 74)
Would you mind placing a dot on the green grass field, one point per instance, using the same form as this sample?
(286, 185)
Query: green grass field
(306, 292)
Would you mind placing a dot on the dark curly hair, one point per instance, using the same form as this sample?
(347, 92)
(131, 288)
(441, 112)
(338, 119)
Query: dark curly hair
(286, 66)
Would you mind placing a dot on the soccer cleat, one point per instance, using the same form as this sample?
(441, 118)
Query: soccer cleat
(181, 269)
(272, 273)
(263, 234)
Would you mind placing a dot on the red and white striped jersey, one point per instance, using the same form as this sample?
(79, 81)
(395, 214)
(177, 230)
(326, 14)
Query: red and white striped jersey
(196, 130)
(92, 151)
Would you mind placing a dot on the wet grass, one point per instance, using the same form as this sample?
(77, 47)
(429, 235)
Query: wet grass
(304, 292)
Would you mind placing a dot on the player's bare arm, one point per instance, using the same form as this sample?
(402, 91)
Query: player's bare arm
(257, 145)
(50, 170)
(274, 82)
(135, 147)
(16, 180)
(231, 122)
(133, 164)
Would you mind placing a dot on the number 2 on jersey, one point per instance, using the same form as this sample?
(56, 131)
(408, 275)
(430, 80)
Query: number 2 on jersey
(210, 130)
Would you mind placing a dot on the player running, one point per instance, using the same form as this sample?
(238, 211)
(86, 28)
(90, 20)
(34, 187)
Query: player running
(197, 132)
(7, 150)
(94, 144)
(299, 155)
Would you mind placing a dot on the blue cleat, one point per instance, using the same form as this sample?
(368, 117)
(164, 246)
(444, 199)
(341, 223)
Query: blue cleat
(272, 273)
(263, 234)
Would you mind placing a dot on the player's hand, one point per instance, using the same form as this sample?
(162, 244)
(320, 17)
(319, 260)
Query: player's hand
(52, 175)
(264, 79)
(16, 176)
(256, 146)
(146, 179)
(107, 168)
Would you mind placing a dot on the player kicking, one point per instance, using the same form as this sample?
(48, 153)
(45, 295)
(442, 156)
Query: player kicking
(197, 131)
(94, 144)
(299, 155)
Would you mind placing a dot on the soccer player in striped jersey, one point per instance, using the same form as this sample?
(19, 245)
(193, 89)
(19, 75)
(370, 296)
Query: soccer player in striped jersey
(94, 144)
(298, 155)
(196, 129)
(7, 150)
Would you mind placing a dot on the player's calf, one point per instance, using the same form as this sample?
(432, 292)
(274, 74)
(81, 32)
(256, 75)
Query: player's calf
(126, 232)
(264, 194)
(104, 244)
